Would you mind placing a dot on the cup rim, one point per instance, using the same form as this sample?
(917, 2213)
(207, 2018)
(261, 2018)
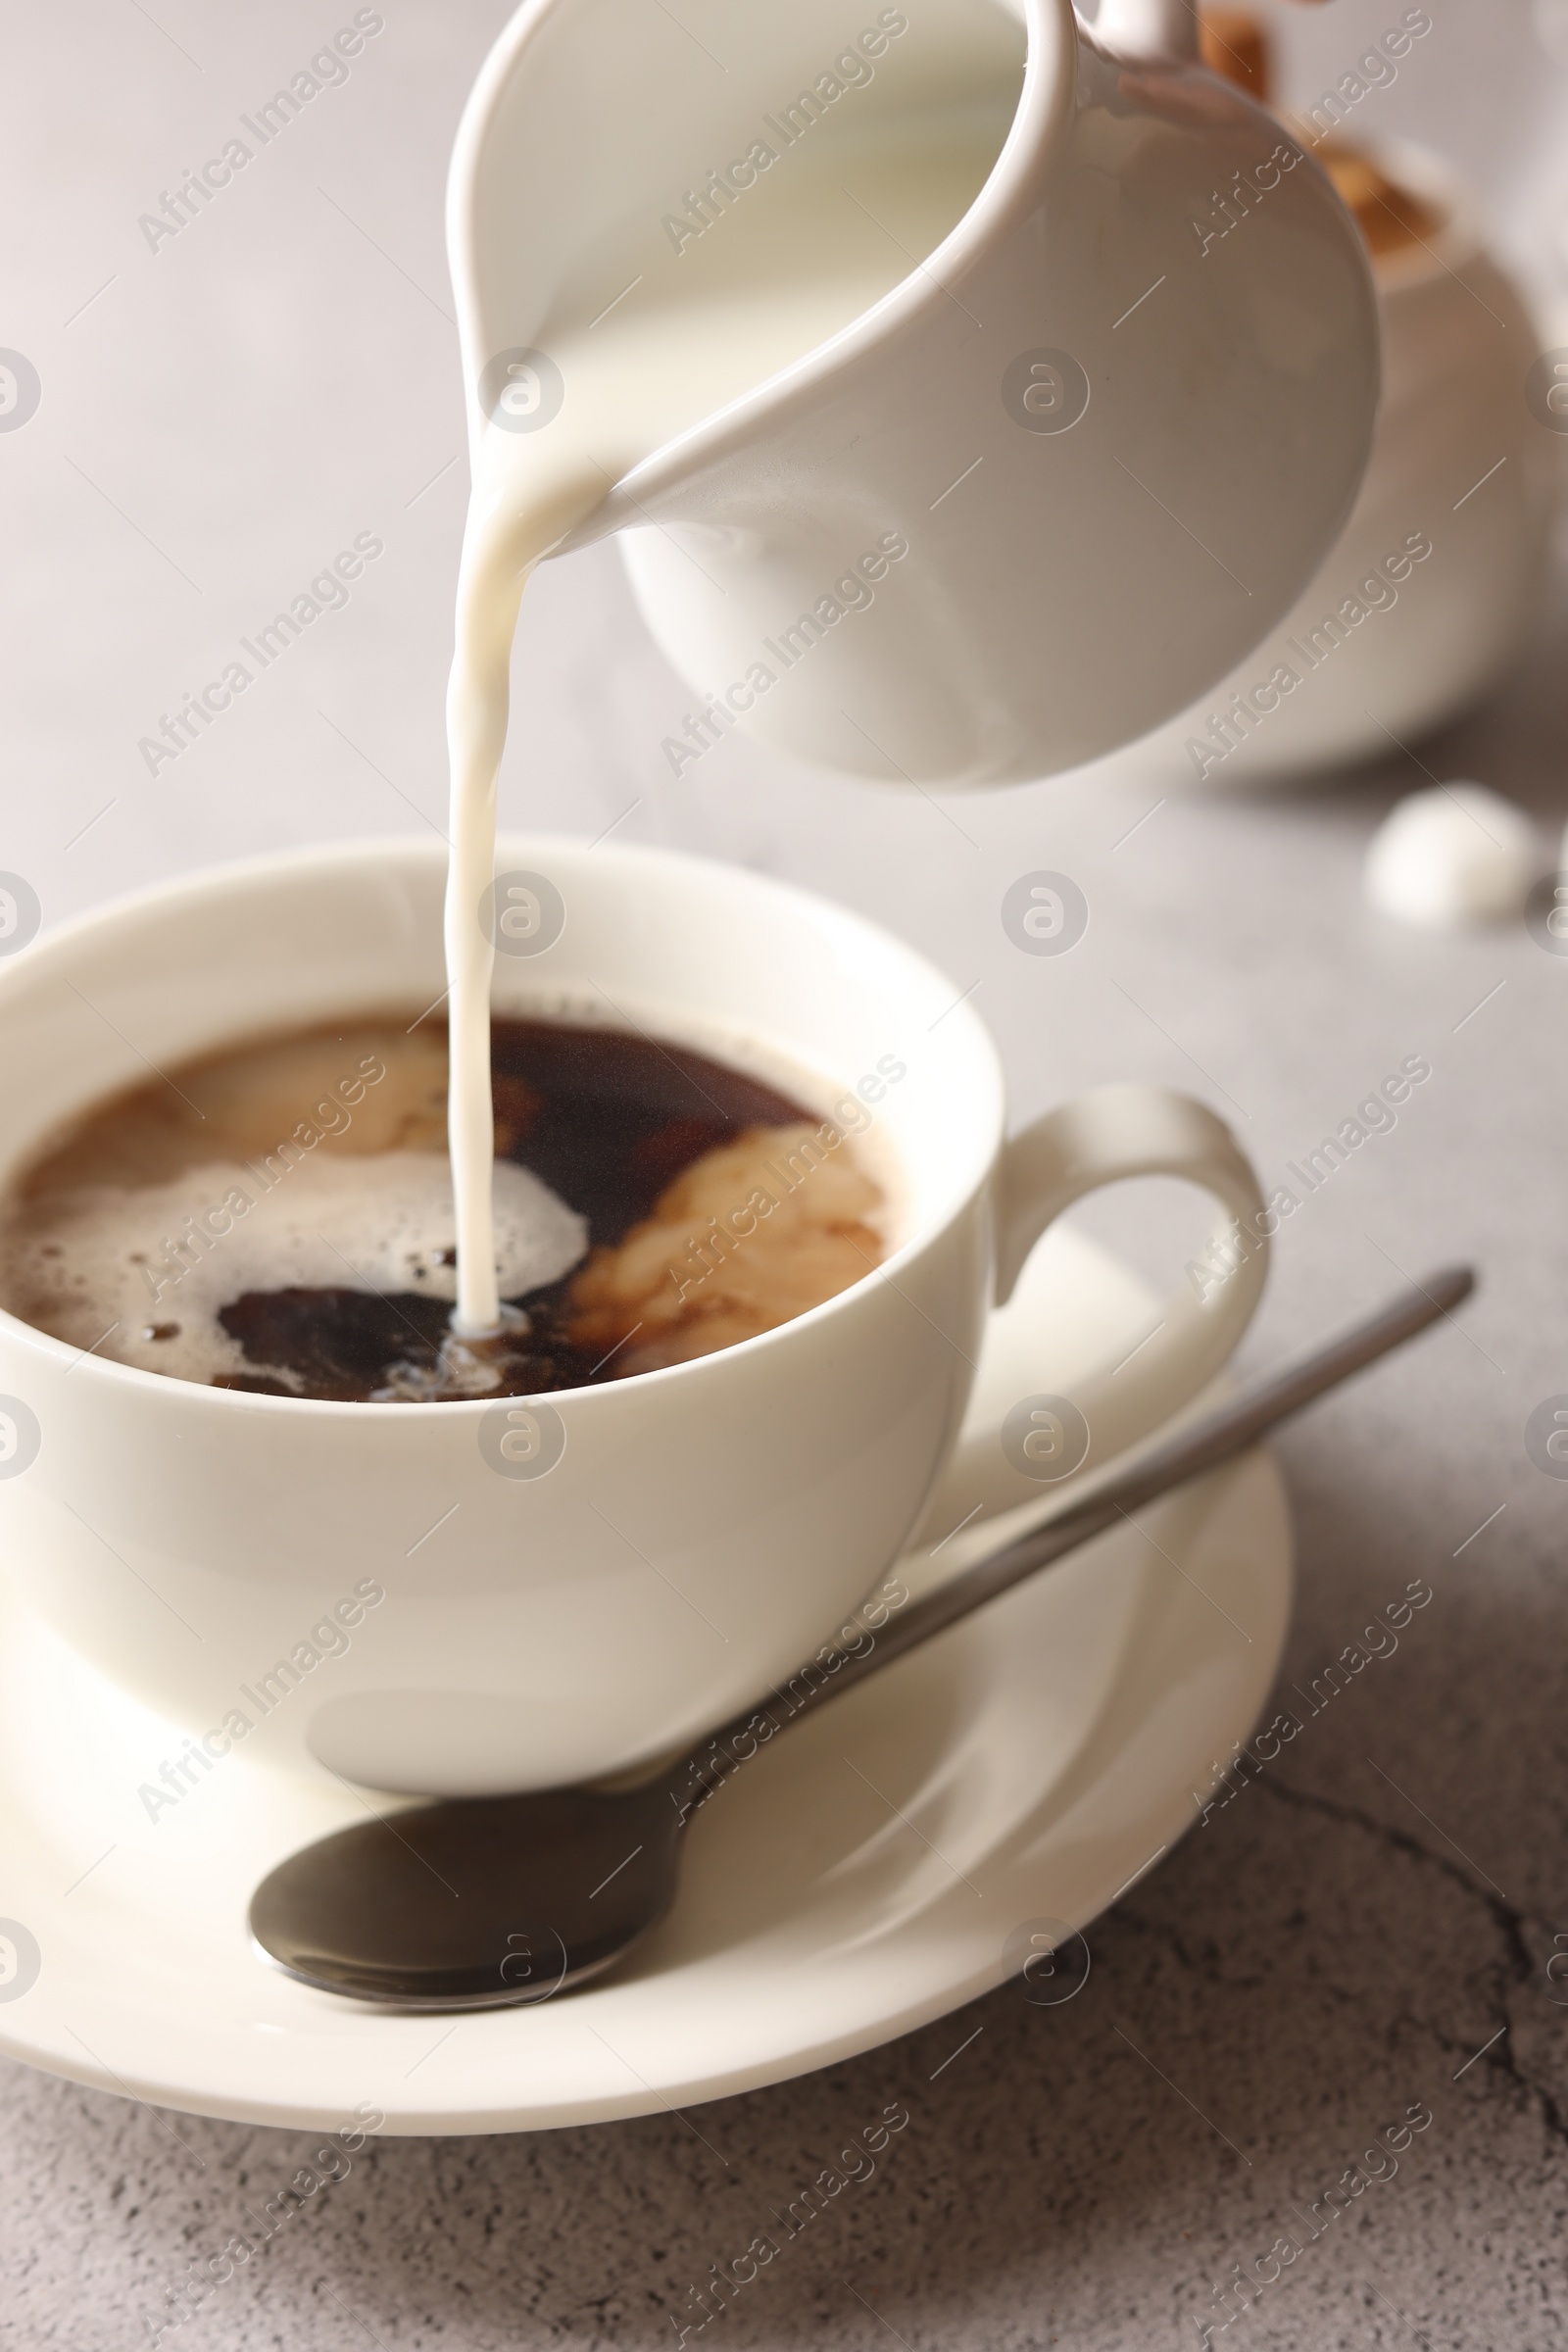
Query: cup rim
(275, 866)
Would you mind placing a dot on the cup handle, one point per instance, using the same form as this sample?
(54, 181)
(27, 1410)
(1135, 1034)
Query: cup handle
(1105, 1137)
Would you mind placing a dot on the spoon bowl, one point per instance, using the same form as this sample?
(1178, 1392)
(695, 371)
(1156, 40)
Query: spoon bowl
(456, 1905)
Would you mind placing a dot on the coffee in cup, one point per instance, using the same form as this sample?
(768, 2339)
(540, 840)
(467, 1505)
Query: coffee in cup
(279, 1217)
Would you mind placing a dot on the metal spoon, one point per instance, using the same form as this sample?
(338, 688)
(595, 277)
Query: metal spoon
(486, 1902)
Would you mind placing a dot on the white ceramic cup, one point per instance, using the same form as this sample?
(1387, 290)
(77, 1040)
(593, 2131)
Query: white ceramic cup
(571, 1587)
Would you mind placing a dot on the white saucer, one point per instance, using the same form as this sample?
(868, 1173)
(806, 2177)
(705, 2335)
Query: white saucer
(860, 1878)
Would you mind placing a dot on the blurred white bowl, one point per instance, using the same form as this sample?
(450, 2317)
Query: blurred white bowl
(1458, 343)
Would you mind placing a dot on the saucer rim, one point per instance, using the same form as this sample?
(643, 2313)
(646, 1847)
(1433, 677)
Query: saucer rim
(1249, 1493)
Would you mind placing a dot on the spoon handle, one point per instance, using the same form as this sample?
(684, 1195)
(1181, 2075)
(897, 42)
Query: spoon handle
(1219, 1437)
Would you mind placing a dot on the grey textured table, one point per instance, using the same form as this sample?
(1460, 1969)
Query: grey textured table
(218, 416)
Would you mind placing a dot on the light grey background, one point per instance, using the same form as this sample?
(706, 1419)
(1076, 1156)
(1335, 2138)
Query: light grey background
(217, 419)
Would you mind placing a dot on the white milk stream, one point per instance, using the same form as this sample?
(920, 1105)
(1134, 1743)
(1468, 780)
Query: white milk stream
(801, 255)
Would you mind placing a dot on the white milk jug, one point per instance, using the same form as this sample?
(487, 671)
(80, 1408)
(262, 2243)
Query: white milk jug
(946, 439)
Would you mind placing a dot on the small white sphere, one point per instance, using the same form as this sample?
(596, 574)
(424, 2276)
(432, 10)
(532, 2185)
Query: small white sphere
(1455, 856)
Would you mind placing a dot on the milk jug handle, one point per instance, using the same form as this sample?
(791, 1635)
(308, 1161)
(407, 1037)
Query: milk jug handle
(1152, 29)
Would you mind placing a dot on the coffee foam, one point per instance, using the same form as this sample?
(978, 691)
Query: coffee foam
(99, 1266)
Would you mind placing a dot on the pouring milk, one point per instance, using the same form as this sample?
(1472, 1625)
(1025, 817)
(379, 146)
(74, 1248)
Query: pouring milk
(658, 214)
(762, 262)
